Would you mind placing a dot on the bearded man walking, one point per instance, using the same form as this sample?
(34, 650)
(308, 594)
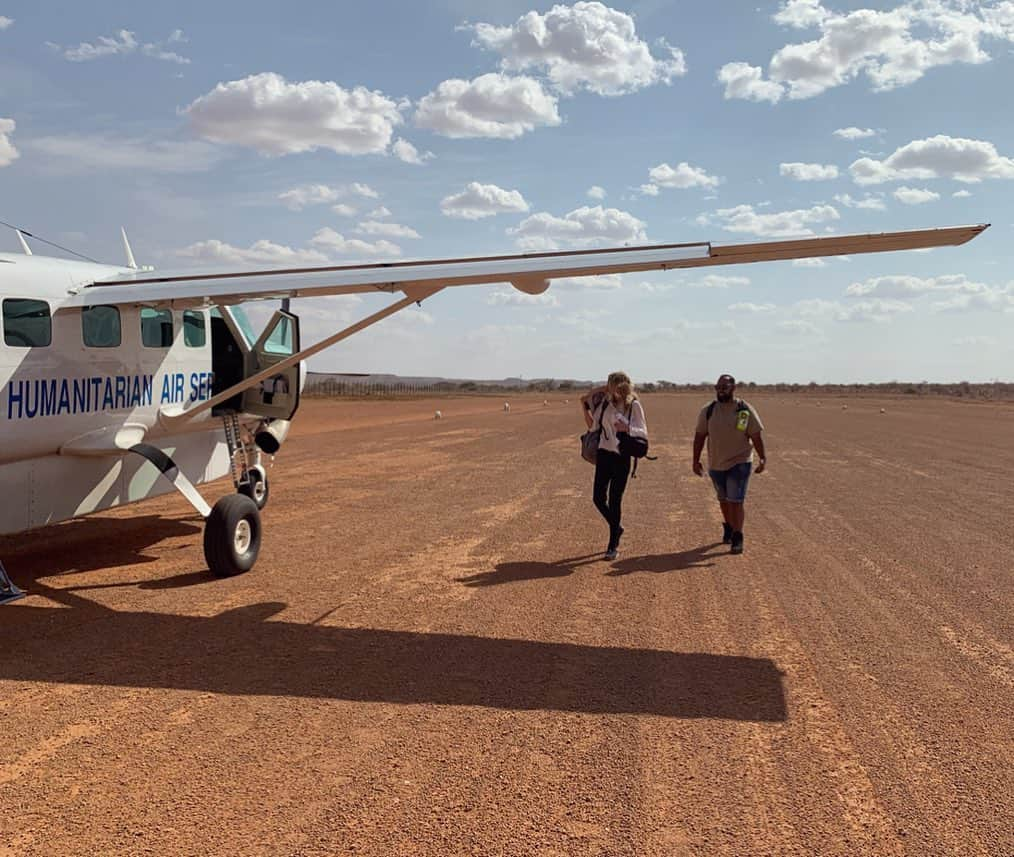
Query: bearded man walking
(732, 430)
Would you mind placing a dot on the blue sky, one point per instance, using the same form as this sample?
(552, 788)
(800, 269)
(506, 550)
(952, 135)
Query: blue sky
(258, 134)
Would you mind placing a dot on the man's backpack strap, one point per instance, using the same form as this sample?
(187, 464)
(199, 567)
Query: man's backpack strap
(740, 406)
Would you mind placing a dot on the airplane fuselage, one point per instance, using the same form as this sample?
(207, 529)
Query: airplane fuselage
(78, 386)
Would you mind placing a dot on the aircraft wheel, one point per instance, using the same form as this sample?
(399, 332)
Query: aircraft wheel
(232, 535)
(255, 486)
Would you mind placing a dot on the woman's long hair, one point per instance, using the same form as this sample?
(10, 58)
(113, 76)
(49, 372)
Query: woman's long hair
(624, 387)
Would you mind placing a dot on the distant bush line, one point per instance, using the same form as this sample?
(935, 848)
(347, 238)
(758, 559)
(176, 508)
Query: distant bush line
(331, 388)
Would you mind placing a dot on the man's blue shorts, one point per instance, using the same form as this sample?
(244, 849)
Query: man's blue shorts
(730, 485)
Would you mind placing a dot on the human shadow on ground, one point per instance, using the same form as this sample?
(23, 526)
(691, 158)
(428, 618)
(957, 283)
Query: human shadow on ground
(659, 563)
(514, 572)
(247, 652)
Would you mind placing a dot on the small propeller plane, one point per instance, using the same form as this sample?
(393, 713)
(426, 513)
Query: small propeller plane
(120, 383)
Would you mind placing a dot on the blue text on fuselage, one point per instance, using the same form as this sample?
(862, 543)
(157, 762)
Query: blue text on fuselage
(48, 397)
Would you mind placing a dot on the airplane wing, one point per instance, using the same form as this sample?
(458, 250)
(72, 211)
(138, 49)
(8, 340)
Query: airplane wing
(530, 273)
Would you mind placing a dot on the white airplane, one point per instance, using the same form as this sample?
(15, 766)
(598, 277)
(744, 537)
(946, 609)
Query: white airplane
(120, 384)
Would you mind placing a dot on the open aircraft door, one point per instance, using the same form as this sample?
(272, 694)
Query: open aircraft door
(277, 396)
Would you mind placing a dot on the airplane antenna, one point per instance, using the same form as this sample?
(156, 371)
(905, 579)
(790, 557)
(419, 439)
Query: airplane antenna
(126, 246)
(24, 244)
(25, 232)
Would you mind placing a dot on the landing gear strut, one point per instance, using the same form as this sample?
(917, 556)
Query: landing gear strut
(232, 528)
(248, 474)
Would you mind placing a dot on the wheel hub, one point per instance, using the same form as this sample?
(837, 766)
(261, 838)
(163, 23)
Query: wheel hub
(242, 537)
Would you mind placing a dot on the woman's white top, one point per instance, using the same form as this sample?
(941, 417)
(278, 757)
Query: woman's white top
(636, 426)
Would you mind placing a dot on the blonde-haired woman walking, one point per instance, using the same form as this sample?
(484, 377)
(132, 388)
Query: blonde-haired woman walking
(617, 409)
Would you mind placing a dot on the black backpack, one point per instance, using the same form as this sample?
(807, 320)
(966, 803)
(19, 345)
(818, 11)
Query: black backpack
(634, 446)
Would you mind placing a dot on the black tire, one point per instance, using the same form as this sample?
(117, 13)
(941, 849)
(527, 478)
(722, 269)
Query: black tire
(232, 535)
(255, 486)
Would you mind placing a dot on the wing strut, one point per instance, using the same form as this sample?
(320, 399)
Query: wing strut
(172, 417)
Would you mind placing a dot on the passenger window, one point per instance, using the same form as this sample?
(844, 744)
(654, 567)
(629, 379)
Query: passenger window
(193, 329)
(100, 326)
(156, 328)
(27, 323)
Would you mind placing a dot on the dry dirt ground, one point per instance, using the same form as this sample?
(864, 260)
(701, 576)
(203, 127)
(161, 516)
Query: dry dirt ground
(432, 658)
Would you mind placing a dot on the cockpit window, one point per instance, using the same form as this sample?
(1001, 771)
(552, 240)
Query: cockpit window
(27, 323)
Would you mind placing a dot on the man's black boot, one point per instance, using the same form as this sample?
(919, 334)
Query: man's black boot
(726, 534)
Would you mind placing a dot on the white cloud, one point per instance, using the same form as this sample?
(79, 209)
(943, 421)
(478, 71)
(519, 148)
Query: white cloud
(379, 212)
(8, 153)
(892, 48)
(482, 200)
(854, 133)
(492, 105)
(752, 308)
(649, 189)
(301, 196)
(904, 286)
(869, 202)
(267, 113)
(801, 14)
(80, 154)
(584, 46)
(122, 43)
(343, 209)
(797, 327)
(512, 297)
(989, 298)
(334, 242)
(298, 198)
(747, 82)
(596, 192)
(5, 22)
(936, 157)
(879, 310)
(681, 176)
(583, 227)
(403, 150)
(958, 293)
(260, 253)
(808, 172)
(775, 224)
(718, 281)
(387, 230)
(597, 282)
(914, 195)
(363, 190)
(809, 263)
(159, 53)
(961, 194)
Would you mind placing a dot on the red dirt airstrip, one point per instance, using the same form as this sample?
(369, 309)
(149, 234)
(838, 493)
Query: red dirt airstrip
(432, 658)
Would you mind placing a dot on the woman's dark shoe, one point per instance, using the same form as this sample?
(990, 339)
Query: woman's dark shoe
(737, 543)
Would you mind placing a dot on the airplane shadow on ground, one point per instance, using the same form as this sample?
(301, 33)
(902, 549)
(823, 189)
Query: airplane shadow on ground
(240, 652)
(659, 563)
(90, 544)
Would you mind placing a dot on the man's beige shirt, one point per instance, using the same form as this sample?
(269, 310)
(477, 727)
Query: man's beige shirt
(727, 444)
